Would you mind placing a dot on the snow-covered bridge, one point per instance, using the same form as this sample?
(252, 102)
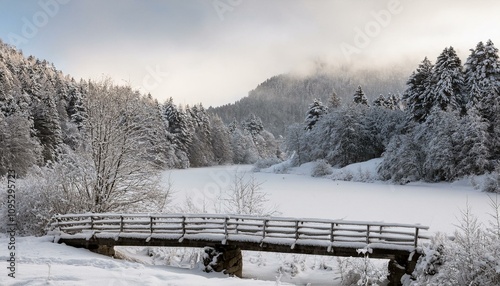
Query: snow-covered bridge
(102, 232)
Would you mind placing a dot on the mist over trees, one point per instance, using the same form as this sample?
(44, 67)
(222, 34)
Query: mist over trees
(284, 99)
(444, 127)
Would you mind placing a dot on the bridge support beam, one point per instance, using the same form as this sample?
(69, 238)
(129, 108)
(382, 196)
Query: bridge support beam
(226, 258)
(400, 266)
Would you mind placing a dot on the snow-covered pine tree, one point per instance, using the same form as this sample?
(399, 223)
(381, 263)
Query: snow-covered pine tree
(447, 82)
(46, 124)
(295, 143)
(360, 97)
(221, 141)
(380, 101)
(244, 149)
(253, 124)
(233, 125)
(200, 152)
(404, 159)
(178, 124)
(19, 150)
(417, 94)
(392, 101)
(316, 110)
(473, 152)
(482, 77)
(75, 108)
(442, 153)
(350, 139)
(334, 101)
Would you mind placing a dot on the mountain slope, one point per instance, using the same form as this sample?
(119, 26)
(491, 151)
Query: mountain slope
(284, 99)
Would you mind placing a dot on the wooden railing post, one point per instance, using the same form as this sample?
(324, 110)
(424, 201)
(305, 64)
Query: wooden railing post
(331, 232)
(368, 234)
(91, 222)
(183, 226)
(264, 229)
(225, 230)
(150, 224)
(296, 230)
(121, 223)
(416, 237)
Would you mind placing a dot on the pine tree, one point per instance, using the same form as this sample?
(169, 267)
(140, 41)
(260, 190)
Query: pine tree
(46, 124)
(316, 110)
(473, 152)
(442, 154)
(417, 94)
(233, 125)
(404, 159)
(200, 152)
(380, 101)
(393, 101)
(334, 101)
(253, 124)
(349, 139)
(179, 125)
(221, 141)
(360, 97)
(447, 82)
(19, 150)
(244, 149)
(75, 108)
(482, 77)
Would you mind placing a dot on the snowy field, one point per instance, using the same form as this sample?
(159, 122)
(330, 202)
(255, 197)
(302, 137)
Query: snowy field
(296, 194)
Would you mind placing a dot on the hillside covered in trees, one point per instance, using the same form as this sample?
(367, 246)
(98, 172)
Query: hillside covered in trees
(445, 127)
(283, 99)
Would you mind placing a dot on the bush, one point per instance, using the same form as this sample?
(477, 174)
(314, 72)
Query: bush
(361, 271)
(472, 258)
(321, 168)
(492, 183)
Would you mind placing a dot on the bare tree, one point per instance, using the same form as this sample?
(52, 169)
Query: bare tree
(245, 196)
(118, 148)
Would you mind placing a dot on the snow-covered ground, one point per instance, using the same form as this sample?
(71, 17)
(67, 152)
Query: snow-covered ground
(296, 194)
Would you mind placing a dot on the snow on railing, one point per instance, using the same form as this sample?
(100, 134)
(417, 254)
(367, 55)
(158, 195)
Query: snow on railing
(243, 228)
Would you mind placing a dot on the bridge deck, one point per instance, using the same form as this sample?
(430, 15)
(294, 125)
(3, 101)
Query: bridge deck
(287, 235)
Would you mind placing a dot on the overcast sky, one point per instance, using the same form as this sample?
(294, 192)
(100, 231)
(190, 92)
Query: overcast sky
(215, 51)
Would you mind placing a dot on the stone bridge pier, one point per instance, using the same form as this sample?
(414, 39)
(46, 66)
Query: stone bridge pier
(226, 258)
(401, 265)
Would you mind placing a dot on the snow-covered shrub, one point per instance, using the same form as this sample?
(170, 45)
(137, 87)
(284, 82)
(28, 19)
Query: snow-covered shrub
(361, 271)
(292, 265)
(492, 183)
(321, 168)
(473, 258)
(429, 263)
(343, 175)
(72, 186)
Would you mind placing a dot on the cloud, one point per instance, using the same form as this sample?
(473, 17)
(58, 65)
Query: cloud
(216, 60)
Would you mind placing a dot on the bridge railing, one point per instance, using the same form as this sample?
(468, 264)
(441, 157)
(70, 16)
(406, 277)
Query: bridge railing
(242, 228)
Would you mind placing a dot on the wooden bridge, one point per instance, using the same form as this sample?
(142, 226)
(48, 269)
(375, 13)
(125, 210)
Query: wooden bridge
(102, 232)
